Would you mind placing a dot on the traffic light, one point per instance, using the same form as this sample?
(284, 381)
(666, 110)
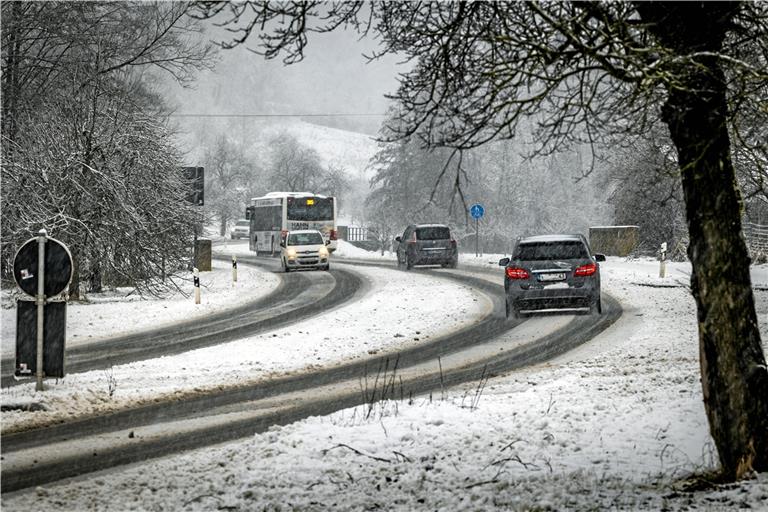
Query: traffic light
(195, 177)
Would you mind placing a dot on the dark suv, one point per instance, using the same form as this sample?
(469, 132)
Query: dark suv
(426, 244)
(552, 272)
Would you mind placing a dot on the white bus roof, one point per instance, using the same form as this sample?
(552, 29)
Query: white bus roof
(274, 195)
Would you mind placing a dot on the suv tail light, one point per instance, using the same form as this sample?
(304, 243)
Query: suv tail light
(413, 238)
(517, 273)
(333, 235)
(585, 270)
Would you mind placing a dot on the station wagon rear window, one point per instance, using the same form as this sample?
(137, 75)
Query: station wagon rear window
(433, 233)
(551, 251)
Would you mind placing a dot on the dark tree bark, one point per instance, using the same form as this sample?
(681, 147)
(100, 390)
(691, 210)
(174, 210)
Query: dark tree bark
(733, 371)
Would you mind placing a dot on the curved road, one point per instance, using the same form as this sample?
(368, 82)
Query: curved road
(472, 354)
(297, 297)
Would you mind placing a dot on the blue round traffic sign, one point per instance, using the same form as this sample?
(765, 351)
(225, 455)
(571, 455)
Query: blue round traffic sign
(476, 210)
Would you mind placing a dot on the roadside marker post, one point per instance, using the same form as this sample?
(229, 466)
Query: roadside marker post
(663, 260)
(234, 269)
(196, 282)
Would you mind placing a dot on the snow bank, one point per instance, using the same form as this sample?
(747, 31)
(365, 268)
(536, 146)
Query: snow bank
(113, 313)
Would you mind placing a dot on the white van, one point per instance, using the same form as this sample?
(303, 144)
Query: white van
(304, 249)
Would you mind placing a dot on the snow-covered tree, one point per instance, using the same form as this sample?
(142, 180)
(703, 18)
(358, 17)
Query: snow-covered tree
(86, 150)
(295, 167)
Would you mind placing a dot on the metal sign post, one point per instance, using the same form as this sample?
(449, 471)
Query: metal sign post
(40, 301)
(477, 211)
(234, 268)
(42, 269)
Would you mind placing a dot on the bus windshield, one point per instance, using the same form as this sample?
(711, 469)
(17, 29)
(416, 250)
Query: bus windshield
(310, 208)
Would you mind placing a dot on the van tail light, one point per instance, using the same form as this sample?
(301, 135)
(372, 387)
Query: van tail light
(453, 242)
(517, 273)
(585, 270)
(333, 235)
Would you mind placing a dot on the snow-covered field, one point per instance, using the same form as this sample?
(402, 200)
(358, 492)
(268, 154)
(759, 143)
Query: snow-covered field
(612, 425)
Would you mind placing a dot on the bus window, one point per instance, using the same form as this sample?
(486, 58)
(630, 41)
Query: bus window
(266, 218)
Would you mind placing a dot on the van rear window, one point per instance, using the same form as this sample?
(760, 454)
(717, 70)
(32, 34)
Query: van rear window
(433, 233)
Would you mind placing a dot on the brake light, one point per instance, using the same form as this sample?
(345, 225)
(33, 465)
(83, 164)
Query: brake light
(413, 238)
(333, 235)
(585, 270)
(517, 273)
(453, 242)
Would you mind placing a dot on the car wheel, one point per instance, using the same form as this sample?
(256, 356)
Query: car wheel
(408, 264)
(511, 310)
(327, 267)
(597, 306)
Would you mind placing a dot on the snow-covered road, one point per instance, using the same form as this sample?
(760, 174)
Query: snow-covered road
(392, 315)
(610, 425)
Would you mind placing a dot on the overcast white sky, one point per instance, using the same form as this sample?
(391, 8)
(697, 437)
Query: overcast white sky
(333, 78)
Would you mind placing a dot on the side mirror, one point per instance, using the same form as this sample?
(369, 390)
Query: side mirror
(503, 262)
(397, 239)
(282, 243)
(327, 242)
(599, 257)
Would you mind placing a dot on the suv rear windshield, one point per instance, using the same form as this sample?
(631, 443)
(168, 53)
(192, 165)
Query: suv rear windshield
(243, 223)
(535, 251)
(433, 233)
(305, 239)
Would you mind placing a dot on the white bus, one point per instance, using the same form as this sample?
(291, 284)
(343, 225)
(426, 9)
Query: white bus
(276, 213)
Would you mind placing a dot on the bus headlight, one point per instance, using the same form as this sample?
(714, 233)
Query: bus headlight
(290, 253)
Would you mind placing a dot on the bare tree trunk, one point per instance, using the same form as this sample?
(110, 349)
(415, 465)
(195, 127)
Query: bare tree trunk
(96, 285)
(734, 375)
(11, 91)
(74, 285)
(223, 219)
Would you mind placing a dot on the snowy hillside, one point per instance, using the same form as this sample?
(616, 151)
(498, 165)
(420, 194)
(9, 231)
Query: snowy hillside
(350, 150)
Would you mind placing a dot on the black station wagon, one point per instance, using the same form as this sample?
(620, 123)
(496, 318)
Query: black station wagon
(552, 272)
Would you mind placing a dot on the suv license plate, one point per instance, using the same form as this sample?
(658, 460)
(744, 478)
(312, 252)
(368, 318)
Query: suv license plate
(552, 277)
